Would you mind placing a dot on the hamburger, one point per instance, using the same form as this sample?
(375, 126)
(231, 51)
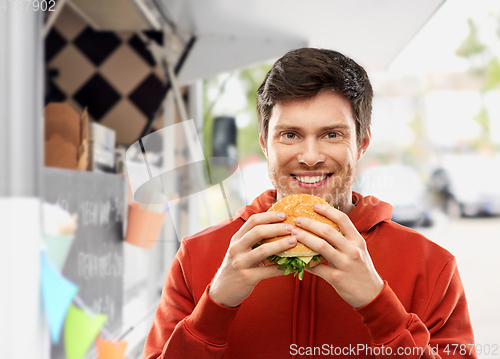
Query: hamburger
(300, 257)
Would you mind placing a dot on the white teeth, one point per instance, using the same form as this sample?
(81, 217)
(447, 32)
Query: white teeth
(307, 179)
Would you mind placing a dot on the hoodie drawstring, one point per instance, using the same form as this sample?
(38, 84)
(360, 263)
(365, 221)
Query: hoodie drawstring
(295, 312)
(312, 313)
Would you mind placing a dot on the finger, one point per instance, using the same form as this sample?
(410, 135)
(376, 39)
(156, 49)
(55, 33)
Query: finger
(339, 217)
(255, 235)
(266, 231)
(319, 245)
(271, 271)
(268, 249)
(256, 219)
(326, 272)
(325, 231)
(258, 233)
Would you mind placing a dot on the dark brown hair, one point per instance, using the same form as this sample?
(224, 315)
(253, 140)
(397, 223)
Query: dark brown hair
(306, 72)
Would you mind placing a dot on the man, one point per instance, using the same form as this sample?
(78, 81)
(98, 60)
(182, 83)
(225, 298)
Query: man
(385, 290)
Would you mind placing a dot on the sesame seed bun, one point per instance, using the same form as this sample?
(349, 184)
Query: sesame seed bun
(299, 205)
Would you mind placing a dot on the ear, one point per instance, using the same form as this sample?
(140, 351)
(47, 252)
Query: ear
(365, 143)
(263, 145)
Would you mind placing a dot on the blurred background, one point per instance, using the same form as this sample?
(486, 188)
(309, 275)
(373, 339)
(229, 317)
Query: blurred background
(153, 102)
(435, 150)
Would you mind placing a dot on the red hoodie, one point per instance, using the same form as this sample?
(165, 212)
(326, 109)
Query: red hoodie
(421, 311)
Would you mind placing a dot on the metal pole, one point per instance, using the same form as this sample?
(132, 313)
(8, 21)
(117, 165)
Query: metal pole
(21, 103)
(51, 20)
(21, 154)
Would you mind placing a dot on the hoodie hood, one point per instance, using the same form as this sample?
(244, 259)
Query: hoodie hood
(369, 210)
(367, 213)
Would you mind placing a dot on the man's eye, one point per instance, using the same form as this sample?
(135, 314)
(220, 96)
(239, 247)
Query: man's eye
(332, 135)
(290, 135)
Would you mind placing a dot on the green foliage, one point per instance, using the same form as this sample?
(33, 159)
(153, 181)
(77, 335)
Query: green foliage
(207, 135)
(208, 114)
(483, 120)
(483, 62)
(417, 126)
(470, 45)
(247, 136)
(486, 65)
(492, 75)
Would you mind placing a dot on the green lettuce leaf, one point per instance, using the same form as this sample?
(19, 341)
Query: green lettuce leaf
(290, 265)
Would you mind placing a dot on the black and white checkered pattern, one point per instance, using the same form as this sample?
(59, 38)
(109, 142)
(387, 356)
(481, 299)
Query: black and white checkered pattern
(111, 73)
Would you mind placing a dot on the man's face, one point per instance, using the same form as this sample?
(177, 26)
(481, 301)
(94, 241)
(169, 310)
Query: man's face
(311, 148)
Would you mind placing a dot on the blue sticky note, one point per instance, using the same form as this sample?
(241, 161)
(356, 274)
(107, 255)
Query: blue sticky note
(57, 296)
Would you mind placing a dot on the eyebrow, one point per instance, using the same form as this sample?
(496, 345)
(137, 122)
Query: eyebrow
(322, 129)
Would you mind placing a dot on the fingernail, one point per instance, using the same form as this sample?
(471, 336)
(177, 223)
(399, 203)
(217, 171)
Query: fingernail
(318, 206)
(295, 232)
(289, 227)
(299, 220)
(292, 240)
(281, 215)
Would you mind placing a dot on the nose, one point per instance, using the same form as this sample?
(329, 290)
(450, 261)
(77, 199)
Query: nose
(310, 153)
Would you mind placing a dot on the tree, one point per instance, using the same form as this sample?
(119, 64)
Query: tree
(248, 136)
(484, 64)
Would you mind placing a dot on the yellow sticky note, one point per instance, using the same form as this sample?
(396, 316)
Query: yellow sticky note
(80, 330)
(110, 350)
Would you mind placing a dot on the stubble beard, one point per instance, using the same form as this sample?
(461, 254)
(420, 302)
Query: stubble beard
(340, 197)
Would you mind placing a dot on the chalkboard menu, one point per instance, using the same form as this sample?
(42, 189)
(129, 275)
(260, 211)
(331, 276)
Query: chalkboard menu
(95, 260)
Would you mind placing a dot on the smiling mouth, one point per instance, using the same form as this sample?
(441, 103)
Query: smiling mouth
(311, 179)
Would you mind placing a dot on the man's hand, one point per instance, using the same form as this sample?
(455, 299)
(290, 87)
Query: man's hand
(350, 269)
(242, 267)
